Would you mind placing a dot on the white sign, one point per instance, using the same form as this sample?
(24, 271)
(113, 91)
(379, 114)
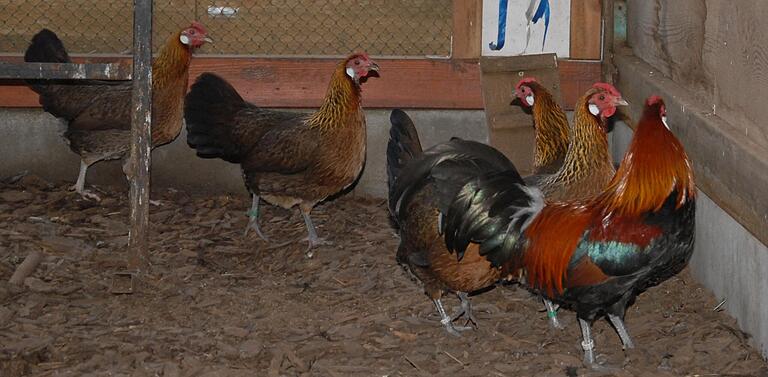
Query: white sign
(522, 37)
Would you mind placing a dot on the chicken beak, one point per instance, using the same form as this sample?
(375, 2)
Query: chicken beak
(373, 70)
(620, 102)
(208, 39)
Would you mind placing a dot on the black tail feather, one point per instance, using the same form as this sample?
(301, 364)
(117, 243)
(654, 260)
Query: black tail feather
(209, 111)
(46, 47)
(403, 146)
(492, 210)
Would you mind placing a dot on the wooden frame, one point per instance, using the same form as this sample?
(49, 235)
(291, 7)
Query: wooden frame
(301, 82)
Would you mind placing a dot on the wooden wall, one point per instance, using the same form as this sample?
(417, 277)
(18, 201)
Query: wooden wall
(717, 49)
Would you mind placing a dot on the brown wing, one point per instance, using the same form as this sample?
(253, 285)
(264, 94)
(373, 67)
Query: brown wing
(286, 146)
(96, 106)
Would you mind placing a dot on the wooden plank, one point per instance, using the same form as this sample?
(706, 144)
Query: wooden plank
(301, 83)
(467, 29)
(141, 136)
(730, 165)
(586, 27)
(64, 71)
(576, 77)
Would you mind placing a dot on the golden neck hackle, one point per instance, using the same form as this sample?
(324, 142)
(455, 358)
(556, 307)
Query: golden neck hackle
(172, 63)
(341, 100)
(588, 152)
(552, 130)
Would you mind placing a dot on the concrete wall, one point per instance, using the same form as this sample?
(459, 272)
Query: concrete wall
(33, 143)
(727, 259)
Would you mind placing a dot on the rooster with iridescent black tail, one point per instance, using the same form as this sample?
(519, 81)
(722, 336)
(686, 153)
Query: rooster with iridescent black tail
(593, 256)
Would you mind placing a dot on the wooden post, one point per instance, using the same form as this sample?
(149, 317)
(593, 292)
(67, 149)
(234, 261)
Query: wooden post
(467, 29)
(586, 27)
(141, 137)
(608, 68)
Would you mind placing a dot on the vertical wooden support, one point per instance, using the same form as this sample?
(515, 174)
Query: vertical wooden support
(586, 25)
(609, 44)
(467, 29)
(141, 119)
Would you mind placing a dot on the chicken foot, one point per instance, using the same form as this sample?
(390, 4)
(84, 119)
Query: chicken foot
(312, 237)
(465, 310)
(79, 186)
(626, 341)
(253, 222)
(447, 321)
(552, 314)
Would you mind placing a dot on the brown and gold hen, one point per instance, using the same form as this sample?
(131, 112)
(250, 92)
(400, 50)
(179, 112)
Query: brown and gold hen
(98, 113)
(288, 159)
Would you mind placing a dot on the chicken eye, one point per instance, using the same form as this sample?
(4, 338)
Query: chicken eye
(357, 62)
(602, 97)
(192, 32)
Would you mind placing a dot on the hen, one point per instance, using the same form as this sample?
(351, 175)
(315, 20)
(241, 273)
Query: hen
(550, 123)
(98, 113)
(595, 255)
(421, 186)
(287, 158)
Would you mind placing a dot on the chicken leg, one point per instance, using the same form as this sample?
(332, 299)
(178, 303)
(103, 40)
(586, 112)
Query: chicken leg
(626, 341)
(312, 237)
(587, 343)
(253, 221)
(465, 310)
(552, 315)
(447, 321)
(79, 186)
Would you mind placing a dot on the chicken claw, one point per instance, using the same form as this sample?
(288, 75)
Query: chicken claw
(447, 322)
(312, 237)
(86, 194)
(465, 310)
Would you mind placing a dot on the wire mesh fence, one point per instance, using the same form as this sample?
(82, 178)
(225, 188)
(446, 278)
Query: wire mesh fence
(255, 27)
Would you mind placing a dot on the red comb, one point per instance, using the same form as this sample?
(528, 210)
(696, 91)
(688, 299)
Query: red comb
(607, 87)
(654, 99)
(360, 54)
(525, 81)
(199, 26)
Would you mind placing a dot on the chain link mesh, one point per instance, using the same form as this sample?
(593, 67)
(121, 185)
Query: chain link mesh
(256, 27)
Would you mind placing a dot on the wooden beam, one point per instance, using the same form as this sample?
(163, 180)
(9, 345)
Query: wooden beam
(467, 29)
(301, 83)
(141, 136)
(94, 71)
(730, 166)
(586, 27)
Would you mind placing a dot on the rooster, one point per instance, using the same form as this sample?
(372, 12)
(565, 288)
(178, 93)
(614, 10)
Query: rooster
(98, 113)
(595, 255)
(550, 123)
(422, 185)
(288, 159)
